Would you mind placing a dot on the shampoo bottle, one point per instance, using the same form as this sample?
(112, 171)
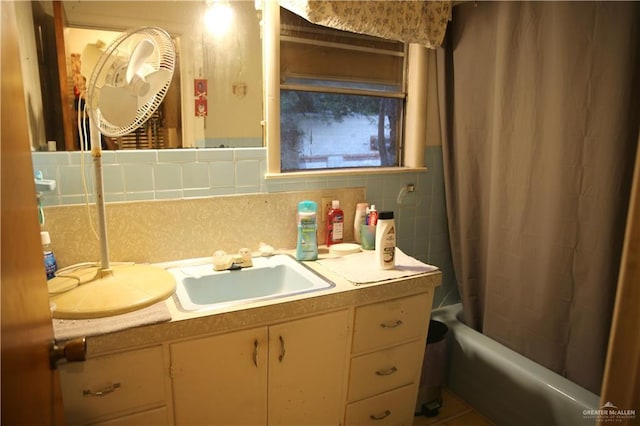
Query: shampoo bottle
(386, 241)
(335, 224)
(307, 247)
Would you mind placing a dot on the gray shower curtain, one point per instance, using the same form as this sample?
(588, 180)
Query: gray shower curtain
(542, 102)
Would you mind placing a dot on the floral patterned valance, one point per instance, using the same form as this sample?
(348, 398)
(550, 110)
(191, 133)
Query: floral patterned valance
(410, 21)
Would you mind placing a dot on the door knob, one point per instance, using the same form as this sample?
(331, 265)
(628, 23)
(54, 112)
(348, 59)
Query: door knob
(72, 351)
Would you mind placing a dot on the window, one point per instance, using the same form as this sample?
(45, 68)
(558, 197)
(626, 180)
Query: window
(341, 97)
(334, 100)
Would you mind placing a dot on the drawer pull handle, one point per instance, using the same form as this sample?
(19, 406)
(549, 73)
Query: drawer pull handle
(104, 391)
(386, 372)
(395, 324)
(282, 351)
(255, 353)
(382, 416)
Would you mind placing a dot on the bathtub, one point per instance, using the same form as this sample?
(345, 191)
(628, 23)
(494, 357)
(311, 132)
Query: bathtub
(504, 385)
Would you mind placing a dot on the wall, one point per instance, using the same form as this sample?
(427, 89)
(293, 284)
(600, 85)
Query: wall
(191, 185)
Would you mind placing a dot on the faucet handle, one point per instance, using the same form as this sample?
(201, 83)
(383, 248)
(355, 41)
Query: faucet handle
(245, 254)
(221, 260)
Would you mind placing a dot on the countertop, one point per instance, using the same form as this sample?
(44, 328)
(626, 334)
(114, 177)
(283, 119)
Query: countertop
(184, 325)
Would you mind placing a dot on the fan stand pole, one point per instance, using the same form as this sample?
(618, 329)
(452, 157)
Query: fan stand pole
(96, 154)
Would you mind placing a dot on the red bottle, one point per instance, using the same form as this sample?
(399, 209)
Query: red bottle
(335, 224)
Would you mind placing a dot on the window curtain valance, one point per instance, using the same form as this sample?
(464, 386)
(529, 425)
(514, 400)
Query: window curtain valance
(409, 21)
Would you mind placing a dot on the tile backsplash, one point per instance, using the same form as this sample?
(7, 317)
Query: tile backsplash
(171, 204)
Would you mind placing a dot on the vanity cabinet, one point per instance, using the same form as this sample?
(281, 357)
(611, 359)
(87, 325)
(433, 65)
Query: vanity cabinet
(127, 388)
(287, 373)
(386, 360)
(355, 364)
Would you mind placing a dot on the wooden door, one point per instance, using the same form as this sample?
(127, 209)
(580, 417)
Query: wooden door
(30, 391)
(221, 380)
(307, 370)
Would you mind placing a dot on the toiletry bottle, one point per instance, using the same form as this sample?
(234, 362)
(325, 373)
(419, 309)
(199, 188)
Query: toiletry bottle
(50, 264)
(386, 241)
(359, 219)
(373, 216)
(335, 224)
(307, 247)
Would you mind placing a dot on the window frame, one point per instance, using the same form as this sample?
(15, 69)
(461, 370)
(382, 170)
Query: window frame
(412, 145)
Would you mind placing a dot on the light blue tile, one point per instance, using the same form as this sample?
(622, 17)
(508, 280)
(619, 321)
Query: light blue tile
(195, 175)
(116, 197)
(315, 183)
(250, 153)
(248, 173)
(149, 156)
(196, 193)
(212, 154)
(50, 158)
(176, 155)
(336, 181)
(140, 196)
(391, 186)
(223, 174)
(292, 185)
(167, 176)
(228, 190)
(113, 178)
(138, 177)
(108, 157)
(374, 188)
(71, 180)
(75, 199)
(50, 200)
(357, 181)
(77, 157)
(247, 189)
(168, 195)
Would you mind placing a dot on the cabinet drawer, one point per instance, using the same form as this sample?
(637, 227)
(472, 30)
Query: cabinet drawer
(384, 370)
(392, 408)
(155, 417)
(112, 384)
(392, 322)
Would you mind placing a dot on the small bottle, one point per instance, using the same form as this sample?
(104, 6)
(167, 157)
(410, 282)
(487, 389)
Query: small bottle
(386, 241)
(335, 224)
(307, 247)
(50, 264)
(373, 216)
(359, 219)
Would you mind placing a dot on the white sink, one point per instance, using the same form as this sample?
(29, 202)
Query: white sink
(201, 288)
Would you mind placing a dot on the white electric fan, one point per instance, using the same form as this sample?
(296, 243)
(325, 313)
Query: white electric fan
(128, 81)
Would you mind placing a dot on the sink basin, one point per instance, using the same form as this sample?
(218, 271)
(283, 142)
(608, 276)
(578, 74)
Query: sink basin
(201, 288)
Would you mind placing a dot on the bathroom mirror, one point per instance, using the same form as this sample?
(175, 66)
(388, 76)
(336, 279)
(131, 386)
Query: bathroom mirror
(218, 78)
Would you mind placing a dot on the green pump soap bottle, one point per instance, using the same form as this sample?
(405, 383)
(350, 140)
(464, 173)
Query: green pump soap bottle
(307, 247)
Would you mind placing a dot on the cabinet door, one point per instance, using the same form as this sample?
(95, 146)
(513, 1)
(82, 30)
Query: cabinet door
(221, 380)
(307, 370)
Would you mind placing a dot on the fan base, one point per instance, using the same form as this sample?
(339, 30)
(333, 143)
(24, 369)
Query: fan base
(97, 293)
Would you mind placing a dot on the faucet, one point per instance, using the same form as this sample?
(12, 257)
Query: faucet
(223, 261)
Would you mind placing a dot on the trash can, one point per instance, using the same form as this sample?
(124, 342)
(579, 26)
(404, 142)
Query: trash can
(434, 366)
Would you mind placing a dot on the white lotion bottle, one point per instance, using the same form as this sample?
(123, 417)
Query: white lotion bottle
(359, 219)
(386, 241)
